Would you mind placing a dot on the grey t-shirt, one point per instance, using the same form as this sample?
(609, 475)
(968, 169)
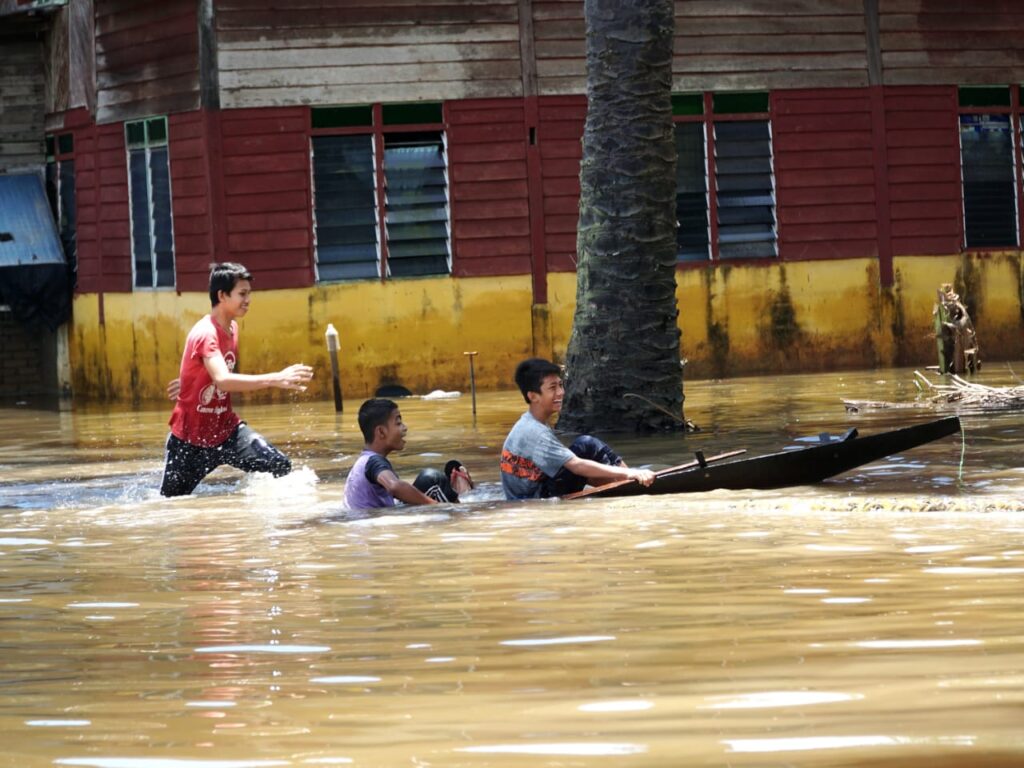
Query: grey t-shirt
(531, 454)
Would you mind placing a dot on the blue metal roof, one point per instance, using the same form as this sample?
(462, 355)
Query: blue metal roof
(28, 234)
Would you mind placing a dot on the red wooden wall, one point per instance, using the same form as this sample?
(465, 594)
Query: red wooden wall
(559, 132)
(267, 200)
(489, 191)
(190, 200)
(923, 147)
(860, 172)
(824, 174)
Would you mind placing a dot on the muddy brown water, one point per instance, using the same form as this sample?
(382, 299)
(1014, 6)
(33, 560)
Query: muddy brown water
(873, 620)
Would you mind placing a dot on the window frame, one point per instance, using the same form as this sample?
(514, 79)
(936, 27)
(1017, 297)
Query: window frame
(379, 130)
(56, 157)
(707, 118)
(148, 146)
(1013, 110)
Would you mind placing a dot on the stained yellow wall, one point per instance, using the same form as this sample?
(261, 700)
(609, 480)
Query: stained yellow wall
(798, 316)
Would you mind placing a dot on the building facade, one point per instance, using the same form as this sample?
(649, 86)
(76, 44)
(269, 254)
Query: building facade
(408, 171)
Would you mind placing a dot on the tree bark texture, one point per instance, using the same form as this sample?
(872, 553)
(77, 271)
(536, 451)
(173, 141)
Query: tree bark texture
(625, 335)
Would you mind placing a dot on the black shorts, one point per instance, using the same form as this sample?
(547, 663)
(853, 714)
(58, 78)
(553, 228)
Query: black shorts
(187, 464)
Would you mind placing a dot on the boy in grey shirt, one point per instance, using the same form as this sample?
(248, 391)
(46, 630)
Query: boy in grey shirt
(534, 464)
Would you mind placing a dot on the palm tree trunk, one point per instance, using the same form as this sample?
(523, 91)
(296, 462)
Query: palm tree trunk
(625, 336)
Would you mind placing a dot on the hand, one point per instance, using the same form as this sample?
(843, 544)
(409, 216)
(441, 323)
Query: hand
(295, 377)
(173, 389)
(643, 476)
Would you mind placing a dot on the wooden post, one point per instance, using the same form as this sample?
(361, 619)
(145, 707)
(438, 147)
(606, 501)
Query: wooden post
(472, 379)
(332, 348)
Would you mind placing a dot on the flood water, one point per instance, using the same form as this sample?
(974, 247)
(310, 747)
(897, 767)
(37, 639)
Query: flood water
(874, 620)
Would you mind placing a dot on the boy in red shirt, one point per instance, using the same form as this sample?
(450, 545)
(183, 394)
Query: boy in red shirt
(205, 431)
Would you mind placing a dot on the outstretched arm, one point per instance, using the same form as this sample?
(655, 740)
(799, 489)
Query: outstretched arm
(603, 473)
(402, 490)
(293, 377)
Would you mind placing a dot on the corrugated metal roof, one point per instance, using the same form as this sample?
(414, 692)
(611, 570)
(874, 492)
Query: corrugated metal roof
(28, 234)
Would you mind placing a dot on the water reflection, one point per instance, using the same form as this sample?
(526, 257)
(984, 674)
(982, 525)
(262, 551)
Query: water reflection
(872, 620)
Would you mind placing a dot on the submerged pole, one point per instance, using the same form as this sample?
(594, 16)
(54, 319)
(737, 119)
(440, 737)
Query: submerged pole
(472, 379)
(332, 348)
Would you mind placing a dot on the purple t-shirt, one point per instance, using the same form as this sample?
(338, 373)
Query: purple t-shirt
(362, 491)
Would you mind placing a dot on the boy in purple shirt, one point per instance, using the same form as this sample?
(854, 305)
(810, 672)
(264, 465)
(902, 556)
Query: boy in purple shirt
(373, 482)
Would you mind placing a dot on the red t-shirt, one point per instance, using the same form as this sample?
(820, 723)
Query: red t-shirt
(202, 415)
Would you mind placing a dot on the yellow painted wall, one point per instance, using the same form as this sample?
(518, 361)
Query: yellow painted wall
(798, 316)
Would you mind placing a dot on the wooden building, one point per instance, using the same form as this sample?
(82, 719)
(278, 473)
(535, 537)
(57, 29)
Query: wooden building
(408, 170)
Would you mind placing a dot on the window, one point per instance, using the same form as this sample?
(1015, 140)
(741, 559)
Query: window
(149, 196)
(988, 167)
(725, 138)
(60, 188)
(380, 169)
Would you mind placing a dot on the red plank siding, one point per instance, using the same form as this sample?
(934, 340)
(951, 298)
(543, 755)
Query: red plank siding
(489, 194)
(266, 170)
(924, 169)
(190, 198)
(559, 133)
(825, 186)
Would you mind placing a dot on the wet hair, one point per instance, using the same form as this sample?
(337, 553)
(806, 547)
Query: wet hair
(374, 413)
(530, 374)
(224, 277)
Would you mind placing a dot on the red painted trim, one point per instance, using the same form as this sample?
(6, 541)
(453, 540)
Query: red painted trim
(709, 137)
(378, 156)
(1018, 171)
(535, 196)
(880, 158)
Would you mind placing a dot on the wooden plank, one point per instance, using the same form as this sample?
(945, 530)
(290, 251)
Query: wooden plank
(269, 239)
(829, 249)
(822, 122)
(486, 245)
(365, 94)
(271, 183)
(378, 55)
(950, 22)
(827, 195)
(493, 209)
(923, 193)
(501, 228)
(770, 24)
(254, 165)
(285, 37)
(241, 199)
(109, 46)
(822, 161)
(823, 214)
(490, 266)
(486, 153)
(736, 45)
(926, 246)
(490, 190)
(769, 80)
(865, 230)
(346, 16)
(258, 222)
(815, 177)
(827, 140)
(497, 171)
(370, 74)
(718, 8)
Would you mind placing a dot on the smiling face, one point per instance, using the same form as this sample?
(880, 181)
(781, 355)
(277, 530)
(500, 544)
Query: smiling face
(391, 435)
(548, 401)
(236, 303)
